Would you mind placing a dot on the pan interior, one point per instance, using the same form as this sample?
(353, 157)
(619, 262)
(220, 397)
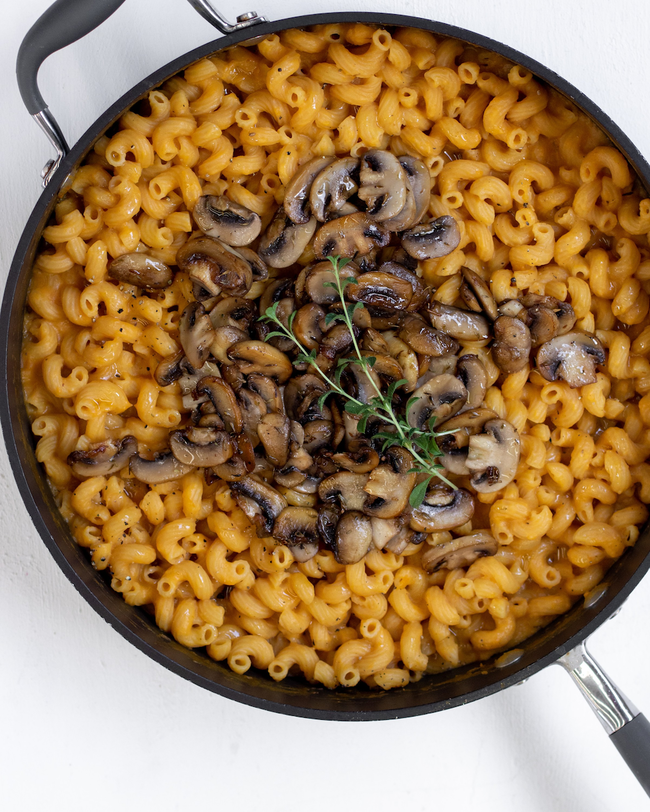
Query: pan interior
(291, 696)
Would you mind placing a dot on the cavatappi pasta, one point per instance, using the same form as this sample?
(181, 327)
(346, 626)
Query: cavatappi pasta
(545, 210)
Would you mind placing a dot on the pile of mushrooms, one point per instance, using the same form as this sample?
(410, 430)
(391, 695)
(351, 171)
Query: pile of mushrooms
(302, 472)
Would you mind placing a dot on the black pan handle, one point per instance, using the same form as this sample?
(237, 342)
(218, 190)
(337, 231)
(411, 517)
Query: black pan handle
(65, 22)
(628, 729)
(633, 742)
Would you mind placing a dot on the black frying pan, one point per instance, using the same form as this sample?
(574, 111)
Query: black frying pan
(562, 641)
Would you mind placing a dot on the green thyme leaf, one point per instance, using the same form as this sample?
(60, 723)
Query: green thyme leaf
(323, 398)
(354, 408)
(419, 492)
(271, 312)
(393, 387)
(330, 318)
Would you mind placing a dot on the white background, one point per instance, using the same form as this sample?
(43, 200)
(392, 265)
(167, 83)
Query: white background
(88, 722)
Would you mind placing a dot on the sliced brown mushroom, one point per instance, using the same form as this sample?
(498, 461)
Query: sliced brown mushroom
(253, 409)
(299, 459)
(274, 431)
(457, 432)
(304, 552)
(566, 317)
(337, 340)
(381, 290)
(284, 241)
(297, 192)
(547, 317)
(215, 266)
(332, 187)
(572, 357)
(350, 235)
(328, 517)
(419, 179)
(477, 295)
(383, 184)
(258, 266)
(309, 325)
(353, 537)
(364, 380)
(406, 217)
(425, 340)
(189, 380)
(359, 458)
(437, 366)
(384, 530)
(542, 323)
(313, 283)
(201, 447)
(256, 356)
(432, 240)
(297, 527)
(301, 397)
(103, 459)
(224, 401)
(169, 369)
(140, 270)
(277, 293)
(402, 258)
(374, 342)
(224, 338)
(164, 467)
(222, 218)
(268, 390)
(440, 398)
(241, 464)
(405, 537)
(406, 358)
(260, 502)
(493, 456)
(512, 308)
(419, 292)
(442, 509)
(385, 367)
(390, 484)
(459, 552)
(234, 311)
(344, 488)
(318, 433)
(512, 343)
(473, 374)
(458, 323)
(196, 334)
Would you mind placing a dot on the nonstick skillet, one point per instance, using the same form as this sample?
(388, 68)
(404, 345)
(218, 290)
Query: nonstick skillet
(563, 641)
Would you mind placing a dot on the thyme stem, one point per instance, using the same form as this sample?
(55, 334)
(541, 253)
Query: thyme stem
(421, 444)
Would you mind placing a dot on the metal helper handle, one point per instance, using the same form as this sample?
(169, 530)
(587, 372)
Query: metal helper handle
(63, 23)
(206, 10)
(628, 729)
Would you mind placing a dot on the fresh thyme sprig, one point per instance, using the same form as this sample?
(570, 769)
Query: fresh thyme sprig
(421, 444)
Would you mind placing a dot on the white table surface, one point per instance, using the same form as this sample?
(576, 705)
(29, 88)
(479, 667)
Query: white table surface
(88, 722)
